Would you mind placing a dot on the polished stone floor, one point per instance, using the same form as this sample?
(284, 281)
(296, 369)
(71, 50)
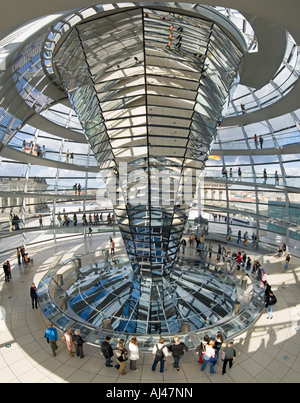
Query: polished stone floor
(268, 352)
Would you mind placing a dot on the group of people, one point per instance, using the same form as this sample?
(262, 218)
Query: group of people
(243, 262)
(69, 156)
(160, 354)
(255, 239)
(209, 352)
(239, 172)
(14, 221)
(258, 140)
(121, 353)
(231, 177)
(265, 177)
(87, 220)
(22, 256)
(77, 189)
(72, 341)
(34, 149)
(282, 251)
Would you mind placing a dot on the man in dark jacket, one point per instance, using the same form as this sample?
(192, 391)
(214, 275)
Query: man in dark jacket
(178, 348)
(107, 351)
(6, 271)
(34, 296)
(78, 341)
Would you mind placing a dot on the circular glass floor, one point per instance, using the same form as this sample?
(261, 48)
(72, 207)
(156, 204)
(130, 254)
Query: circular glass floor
(188, 297)
(107, 297)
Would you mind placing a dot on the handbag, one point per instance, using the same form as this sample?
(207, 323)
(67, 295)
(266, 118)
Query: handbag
(201, 358)
(223, 355)
(122, 357)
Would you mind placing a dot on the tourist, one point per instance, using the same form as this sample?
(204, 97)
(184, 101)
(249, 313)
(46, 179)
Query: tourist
(266, 296)
(52, 336)
(261, 141)
(121, 354)
(59, 219)
(9, 269)
(284, 248)
(229, 232)
(112, 246)
(209, 356)
(248, 264)
(201, 348)
(177, 348)
(107, 351)
(6, 271)
(287, 260)
(223, 254)
(33, 295)
(183, 244)
(78, 342)
(228, 356)
(270, 302)
(276, 178)
(68, 338)
(27, 259)
(219, 252)
(243, 108)
(19, 256)
(243, 263)
(264, 278)
(160, 354)
(133, 354)
(218, 344)
(238, 261)
(75, 219)
(259, 271)
(210, 248)
(239, 174)
(265, 176)
(246, 237)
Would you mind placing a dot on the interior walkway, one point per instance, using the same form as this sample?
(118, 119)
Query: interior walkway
(268, 352)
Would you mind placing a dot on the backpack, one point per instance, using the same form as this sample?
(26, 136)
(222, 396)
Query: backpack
(159, 355)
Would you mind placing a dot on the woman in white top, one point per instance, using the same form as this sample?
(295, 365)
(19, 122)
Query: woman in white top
(133, 353)
(209, 357)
